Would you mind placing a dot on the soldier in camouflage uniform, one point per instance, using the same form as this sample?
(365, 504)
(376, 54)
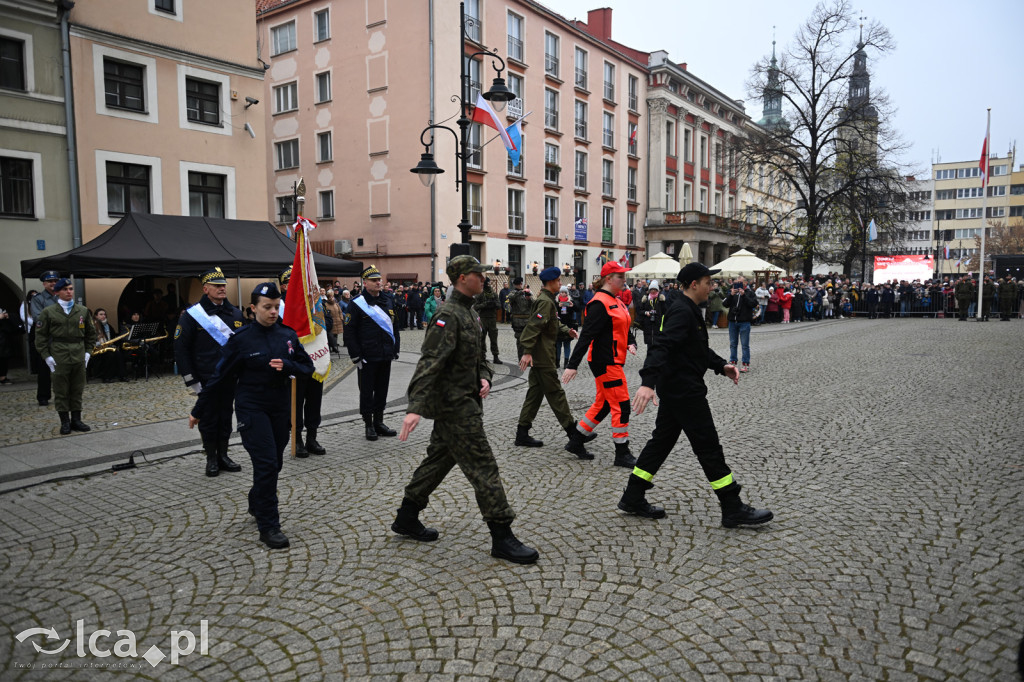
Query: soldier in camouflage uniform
(987, 291)
(964, 293)
(65, 334)
(1007, 298)
(451, 379)
(487, 307)
(518, 307)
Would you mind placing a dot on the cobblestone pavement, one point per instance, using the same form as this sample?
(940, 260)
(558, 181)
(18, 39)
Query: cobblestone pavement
(890, 451)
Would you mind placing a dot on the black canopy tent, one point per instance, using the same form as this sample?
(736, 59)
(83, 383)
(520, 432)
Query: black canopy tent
(149, 245)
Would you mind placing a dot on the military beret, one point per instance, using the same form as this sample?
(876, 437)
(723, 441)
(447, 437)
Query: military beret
(371, 273)
(215, 276)
(267, 289)
(463, 265)
(61, 283)
(550, 274)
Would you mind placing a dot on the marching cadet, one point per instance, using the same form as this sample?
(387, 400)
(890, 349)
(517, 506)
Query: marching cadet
(373, 342)
(518, 307)
(538, 340)
(675, 368)
(202, 332)
(309, 395)
(65, 334)
(452, 377)
(255, 368)
(487, 307)
(43, 299)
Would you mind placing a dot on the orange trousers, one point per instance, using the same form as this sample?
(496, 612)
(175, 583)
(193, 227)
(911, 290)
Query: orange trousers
(612, 397)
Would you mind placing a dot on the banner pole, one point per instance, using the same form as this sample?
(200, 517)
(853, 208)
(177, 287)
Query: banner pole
(294, 381)
(984, 220)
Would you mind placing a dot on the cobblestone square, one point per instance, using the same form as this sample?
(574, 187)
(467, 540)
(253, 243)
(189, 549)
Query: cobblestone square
(891, 451)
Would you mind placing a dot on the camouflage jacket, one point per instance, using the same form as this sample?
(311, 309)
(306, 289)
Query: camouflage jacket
(446, 384)
(542, 330)
(487, 304)
(518, 306)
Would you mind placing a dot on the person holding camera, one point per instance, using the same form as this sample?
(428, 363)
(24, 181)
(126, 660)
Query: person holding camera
(741, 303)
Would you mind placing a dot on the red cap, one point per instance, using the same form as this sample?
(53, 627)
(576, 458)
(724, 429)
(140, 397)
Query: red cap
(612, 267)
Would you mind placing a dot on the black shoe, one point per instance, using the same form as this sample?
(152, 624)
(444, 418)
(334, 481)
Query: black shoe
(623, 457)
(371, 432)
(225, 463)
(300, 449)
(498, 361)
(77, 424)
(381, 428)
(274, 538)
(313, 447)
(65, 423)
(212, 465)
(587, 437)
(505, 545)
(44, 403)
(745, 515)
(576, 446)
(407, 523)
(524, 438)
(641, 507)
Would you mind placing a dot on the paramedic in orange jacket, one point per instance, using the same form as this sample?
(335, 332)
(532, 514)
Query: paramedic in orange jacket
(608, 335)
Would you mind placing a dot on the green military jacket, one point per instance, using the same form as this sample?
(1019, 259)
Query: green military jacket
(519, 308)
(446, 384)
(487, 305)
(67, 338)
(543, 330)
(964, 291)
(1007, 292)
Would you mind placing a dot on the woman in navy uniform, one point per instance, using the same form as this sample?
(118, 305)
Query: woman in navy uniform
(256, 365)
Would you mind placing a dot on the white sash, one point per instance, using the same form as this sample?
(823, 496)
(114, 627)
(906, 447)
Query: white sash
(214, 326)
(376, 314)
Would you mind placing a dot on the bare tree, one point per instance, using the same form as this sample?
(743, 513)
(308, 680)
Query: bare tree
(834, 143)
(1002, 238)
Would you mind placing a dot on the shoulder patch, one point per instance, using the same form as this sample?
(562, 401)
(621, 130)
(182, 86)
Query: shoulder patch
(177, 331)
(439, 323)
(238, 324)
(539, 316)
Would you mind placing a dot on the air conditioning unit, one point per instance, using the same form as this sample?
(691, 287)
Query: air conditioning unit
(342, 247)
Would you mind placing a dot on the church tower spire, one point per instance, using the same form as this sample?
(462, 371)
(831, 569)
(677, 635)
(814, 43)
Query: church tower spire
(771, 112)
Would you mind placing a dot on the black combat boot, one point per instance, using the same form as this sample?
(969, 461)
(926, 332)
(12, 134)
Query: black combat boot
(380, 427)
(371, 433)
(225, 463)
(524, 438)
(76, 422)
(312, 446)
(407, 523)
(576, 444)
(735, 512)
(274, 538)
(212, 460)
(587, 437)
(300, 449)
(634, 499)
(65, 423)
(623, 457)
(497, 361)
(505, 545)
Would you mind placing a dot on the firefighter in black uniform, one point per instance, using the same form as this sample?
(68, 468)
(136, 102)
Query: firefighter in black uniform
(371, 337)
(255, 368)
(202, 331)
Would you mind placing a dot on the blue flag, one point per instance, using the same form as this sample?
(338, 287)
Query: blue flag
(515, 133)
(872, 231)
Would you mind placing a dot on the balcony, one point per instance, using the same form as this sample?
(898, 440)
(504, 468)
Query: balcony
(699, 219)
(551, 65)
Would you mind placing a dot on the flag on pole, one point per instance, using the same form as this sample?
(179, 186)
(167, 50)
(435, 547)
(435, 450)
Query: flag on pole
(515, 134)
(624, 260)
(483, 113)
(872, 231)
(303, 307)
(632, 137)
(983, 163)
(946, 253)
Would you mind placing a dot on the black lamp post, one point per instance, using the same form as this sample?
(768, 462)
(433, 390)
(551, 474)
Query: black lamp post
(498, 96)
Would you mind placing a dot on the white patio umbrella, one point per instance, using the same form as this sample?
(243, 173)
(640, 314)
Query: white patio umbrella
(686, 253)
(745, 263)
(659, 266)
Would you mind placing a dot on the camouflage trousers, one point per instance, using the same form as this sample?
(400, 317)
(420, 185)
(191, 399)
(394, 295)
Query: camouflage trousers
(464, 443)
(491, 330)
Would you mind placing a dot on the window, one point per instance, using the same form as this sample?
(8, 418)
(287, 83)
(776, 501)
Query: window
(282, 38)
(16, 189)
(580, 211)
(551, 54)
(515, 211)
(718, 159)
(581, 69)
(286, 98)
(581, 120)
(608, 130)
(972, 172)
(473, 71)
(550, 109)
(631, 228)
(732, 207)
(967, 234)
(516, 170)
(946, 174)
(205, 195)
(918, 216)
(514, 109)
(703, 207)
(996, 212)
(962, 213)
(687, 192)
(632, 87)
(474, 199)
(550, 257)
(12, 63)
(997, 170)
(202, 101)
(164, 6)
(473, 25)
(704, 153)
(287, 154)
(949, 214)
(284, 209)
(631, 129)
(475, 158)
(551, 216)
(687, 145)
(1016, 211)
(122, 83)
(997, 191)
(945, 194)
(607, 177)
(670, 138)
(322, 24)
(670, 194)
(515, 37)
(609, 82)
(718, 203)
(324, 146)
(127, 188)
(580, 180)
(969, 193)
(551, 167)
(607, 217)
(323, 87)
(631, 184)
(327, 203)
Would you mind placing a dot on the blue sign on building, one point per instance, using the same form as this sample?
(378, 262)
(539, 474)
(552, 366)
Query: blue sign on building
(40, 245)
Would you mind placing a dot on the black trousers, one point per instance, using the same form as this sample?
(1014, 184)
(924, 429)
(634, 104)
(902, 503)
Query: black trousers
(309, 396)
(693, 417)
(374, 378)
(216, 423)
(265, 434)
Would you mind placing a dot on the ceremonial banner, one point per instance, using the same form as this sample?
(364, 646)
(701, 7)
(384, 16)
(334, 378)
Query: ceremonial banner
(303, 307)
(908, 267)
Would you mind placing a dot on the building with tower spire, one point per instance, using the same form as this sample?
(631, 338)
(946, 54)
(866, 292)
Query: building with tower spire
(860, 136)
(771, 112)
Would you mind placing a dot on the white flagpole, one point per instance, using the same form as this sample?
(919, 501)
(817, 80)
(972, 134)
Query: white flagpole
(510, 125)
(984, 219)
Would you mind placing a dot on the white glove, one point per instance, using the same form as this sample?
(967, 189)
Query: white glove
(87, 356)
(51, 363)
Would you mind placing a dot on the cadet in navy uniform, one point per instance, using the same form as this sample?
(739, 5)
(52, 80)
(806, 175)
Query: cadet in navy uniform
(202, 331)
(372, 341)
(255, 366)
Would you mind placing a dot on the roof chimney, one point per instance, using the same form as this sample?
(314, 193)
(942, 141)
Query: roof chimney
(599, 21)
(682, 65)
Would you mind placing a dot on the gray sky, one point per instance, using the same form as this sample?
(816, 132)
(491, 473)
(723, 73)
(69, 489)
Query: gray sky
(952, 59)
